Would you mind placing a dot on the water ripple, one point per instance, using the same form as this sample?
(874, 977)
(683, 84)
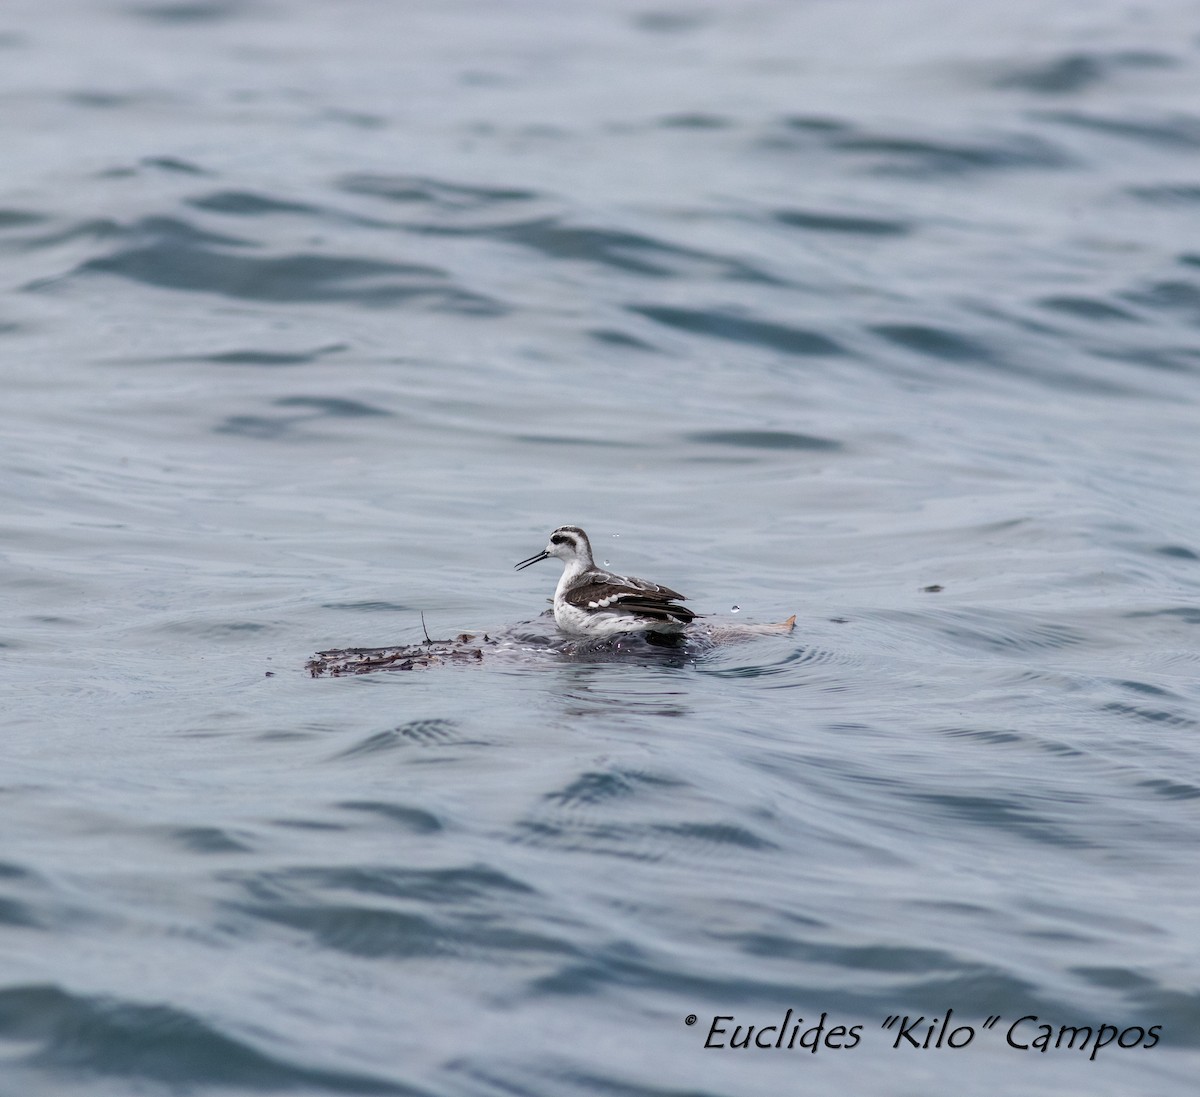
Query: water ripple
(409, 819)
(16, 218)
(312, 409)
(1077, 71)
(1167, 194)
(248, 204)
(170, 253)
(741, 329)
(841, 223)
(629, 252)
(761, 439)
(434, 192)
(188, 12)
(308, 318)
(379, 911)
(1181, 131)
(940, 343)
(920, 157)
(82, 1035)
(269, 358)
(421, 733)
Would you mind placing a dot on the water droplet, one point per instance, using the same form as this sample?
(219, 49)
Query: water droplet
(616, 536)
(606, 563)
(737, 609)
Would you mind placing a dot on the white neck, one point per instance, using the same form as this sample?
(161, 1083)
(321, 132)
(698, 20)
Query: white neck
(572, 569)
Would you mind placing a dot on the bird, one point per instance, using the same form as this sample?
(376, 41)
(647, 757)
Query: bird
(593, 603)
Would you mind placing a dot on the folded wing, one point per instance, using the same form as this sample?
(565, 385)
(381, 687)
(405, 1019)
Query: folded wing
(625, 594)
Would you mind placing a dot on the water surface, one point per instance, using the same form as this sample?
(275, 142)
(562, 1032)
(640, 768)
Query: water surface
(315, 318)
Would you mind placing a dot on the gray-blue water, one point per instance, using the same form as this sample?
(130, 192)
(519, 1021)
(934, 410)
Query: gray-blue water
(316, 316)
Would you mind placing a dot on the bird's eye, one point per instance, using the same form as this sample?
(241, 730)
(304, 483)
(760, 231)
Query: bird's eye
(557, 539)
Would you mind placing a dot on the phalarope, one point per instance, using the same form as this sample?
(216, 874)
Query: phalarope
(592, 602)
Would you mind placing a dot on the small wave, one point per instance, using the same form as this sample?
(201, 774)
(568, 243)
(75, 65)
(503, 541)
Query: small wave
(1176, 552)
(790, 669)
(601, 787)
(204, 839)
(1166, 359)
(742, 329)
(270, 358)
(312, 409)
(1180, 131)
(289, 279)
(762, 439)
(550, 235)
(1011, 813)
(928, 158)
(842, 223)
(1170, 789)
(458, 884)
(435, 192)
(372, 606)
(421, 733)
(629, 252)
(621, 340)
(468, 913)
(714, 839)
(105, 228)
(1189, 615)
(659, 21)
(933, 342)
(692, 842)
(1144, 714)
(819, 124)
(408, 819)
(994, 631)
(1169, 295)
(1088, 308)
(1167, 194)
(239, 203)
(188, 12)
(16, 218)
(14, 912)
(86, 1034)
(695, 120)
(172, 164)
(1073, 72)
(170, 253)
(603, 811)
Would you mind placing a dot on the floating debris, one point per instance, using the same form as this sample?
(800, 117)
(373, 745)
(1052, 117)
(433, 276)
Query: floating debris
(529, 641)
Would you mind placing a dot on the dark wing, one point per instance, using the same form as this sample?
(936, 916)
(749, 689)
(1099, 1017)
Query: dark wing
(624, 594)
